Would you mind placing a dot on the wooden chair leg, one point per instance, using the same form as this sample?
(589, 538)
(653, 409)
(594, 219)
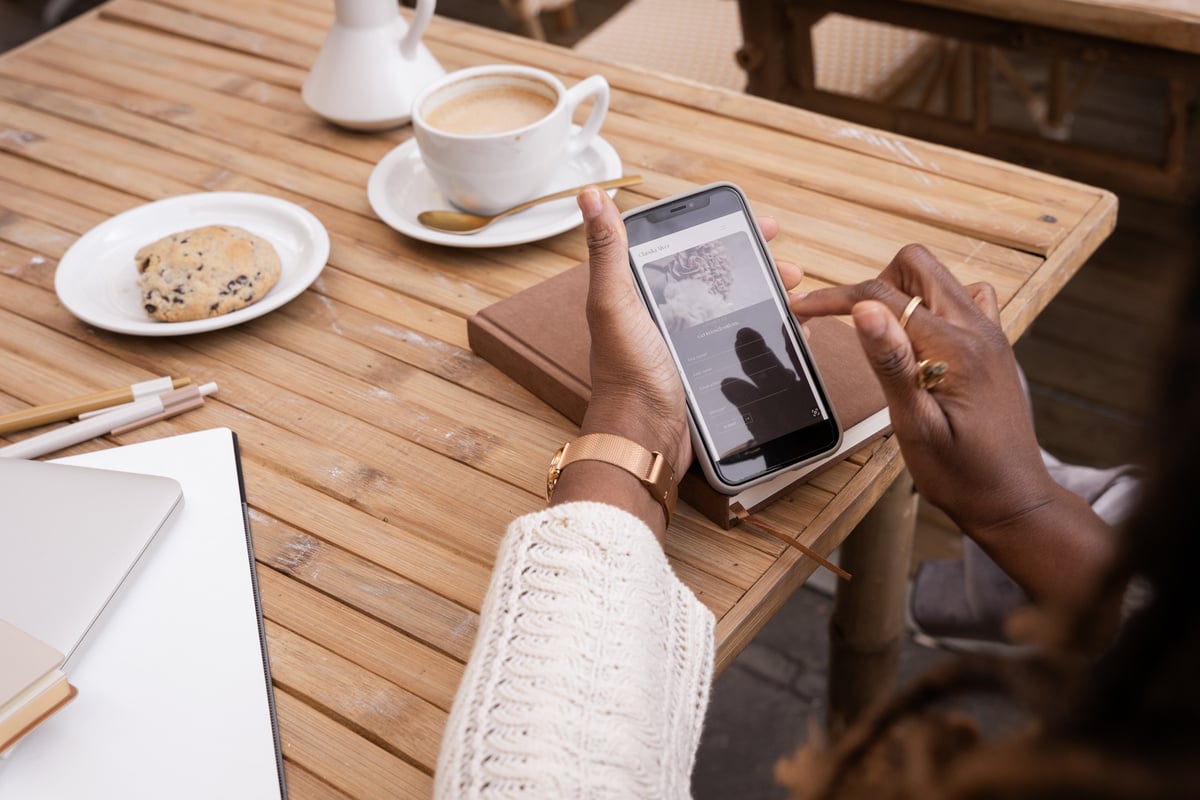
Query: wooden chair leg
(526, 15)
(946, 55)
(981, 105)
(529, 17)
(1179, 98)
(565, 18)
(1056, 91)
(957, 82)
(532, 27)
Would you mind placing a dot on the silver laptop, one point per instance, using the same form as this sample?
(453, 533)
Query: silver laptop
(69, 536)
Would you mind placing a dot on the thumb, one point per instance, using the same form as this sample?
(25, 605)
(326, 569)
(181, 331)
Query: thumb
(889, 352)
(608, 253)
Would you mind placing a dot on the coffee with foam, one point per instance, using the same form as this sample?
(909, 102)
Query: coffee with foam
(490, 109)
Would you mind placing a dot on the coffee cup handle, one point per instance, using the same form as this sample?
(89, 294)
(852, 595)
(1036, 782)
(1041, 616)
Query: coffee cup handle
(595, 87)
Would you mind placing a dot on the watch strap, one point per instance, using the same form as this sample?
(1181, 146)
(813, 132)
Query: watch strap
(649, 467)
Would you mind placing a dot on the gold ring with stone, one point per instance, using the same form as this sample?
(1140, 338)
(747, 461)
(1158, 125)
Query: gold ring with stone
(909, 309)
(931, 373)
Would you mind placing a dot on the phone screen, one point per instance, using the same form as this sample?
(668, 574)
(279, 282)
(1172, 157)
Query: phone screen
(714, 294)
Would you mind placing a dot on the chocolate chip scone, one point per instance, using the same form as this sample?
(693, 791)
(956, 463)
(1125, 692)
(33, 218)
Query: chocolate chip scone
(205, 272)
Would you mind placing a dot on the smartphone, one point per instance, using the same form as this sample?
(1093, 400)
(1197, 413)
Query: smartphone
(755, 401)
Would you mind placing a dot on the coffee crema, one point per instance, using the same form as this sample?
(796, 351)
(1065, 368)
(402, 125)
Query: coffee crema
(491, 109)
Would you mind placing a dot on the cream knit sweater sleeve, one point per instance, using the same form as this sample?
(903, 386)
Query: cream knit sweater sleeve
(590, 672)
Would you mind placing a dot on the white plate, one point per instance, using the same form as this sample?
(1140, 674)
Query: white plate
(400, 188)
(97, 280)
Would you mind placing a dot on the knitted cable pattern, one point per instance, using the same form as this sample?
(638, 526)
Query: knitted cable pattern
(590, 672)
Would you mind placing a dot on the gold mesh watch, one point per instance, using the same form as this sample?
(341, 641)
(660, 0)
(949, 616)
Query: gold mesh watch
(651, 468)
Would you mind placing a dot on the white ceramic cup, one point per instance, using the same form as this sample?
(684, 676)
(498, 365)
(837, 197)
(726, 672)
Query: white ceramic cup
(488, 171)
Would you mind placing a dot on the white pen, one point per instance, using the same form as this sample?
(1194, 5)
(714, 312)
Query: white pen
(140, 391)
(92, 427)
(174, 403)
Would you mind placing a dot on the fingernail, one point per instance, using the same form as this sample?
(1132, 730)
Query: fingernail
(589, 202)
(870, 320)
(796, 294)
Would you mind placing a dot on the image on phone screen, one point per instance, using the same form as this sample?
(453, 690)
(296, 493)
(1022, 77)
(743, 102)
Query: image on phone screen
(711, 293)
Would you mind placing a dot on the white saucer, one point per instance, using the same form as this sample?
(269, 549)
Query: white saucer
(400, 188)
(97, 280)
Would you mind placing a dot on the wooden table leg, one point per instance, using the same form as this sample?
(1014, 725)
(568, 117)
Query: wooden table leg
(867, 628)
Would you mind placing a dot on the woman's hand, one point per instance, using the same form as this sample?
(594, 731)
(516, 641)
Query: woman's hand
(969, 441)
(635, 388)
(636, 391)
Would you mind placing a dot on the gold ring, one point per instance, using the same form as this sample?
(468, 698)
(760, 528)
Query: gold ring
(931, 373)
(909, 309)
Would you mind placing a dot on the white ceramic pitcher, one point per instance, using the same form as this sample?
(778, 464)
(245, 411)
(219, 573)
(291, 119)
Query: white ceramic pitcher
(372, 65)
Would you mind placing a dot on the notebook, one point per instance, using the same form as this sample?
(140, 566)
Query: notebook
(539, 338)
(32, 687)
(175, 696)
(69, 537)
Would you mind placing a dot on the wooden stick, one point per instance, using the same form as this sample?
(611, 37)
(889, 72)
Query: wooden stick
(742, 514)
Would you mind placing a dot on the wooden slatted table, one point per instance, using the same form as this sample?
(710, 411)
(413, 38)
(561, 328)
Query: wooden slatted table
(383, 459)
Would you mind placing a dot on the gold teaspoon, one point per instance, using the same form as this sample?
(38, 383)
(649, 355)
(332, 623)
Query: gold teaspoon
(462, 222)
